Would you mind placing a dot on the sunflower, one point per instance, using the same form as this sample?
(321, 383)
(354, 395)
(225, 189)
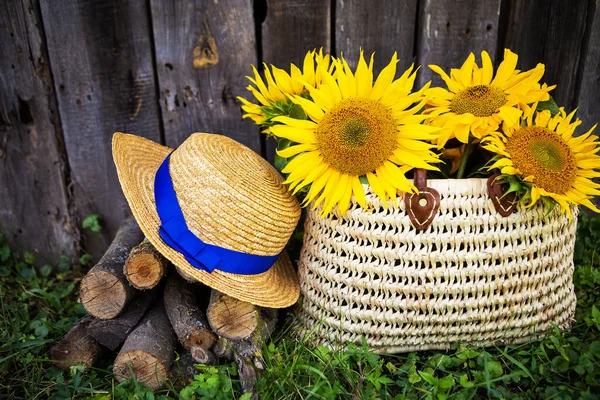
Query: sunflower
(357, 128)
(273, 97)
(546, 156)
(476, 104)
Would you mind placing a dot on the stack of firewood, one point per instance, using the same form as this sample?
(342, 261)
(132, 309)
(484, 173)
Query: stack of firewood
(147, 313)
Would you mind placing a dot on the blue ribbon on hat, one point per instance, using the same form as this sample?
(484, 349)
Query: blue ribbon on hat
(204, 256)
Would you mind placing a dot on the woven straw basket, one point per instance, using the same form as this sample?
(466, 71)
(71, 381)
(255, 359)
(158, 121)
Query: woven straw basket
(471, 277)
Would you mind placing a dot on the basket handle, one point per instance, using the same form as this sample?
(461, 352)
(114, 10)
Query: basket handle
(422, 207)
(504, 203)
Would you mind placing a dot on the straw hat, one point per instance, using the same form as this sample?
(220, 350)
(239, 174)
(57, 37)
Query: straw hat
(230, 197)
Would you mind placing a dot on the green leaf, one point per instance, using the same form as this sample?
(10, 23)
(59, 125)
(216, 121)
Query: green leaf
(29, 258)
(85, 259)
(28, 273)
(92, 222)
(494, 368)
(4, 253)
(428, 377)
(549, 105)
(280, 162)
(4, 271)
(446, 383)
(465, 382)
(414, 378)
(297, 112)
(596, 313)
(560, 365)
(46, 270)
(363, 179)
(41, 331)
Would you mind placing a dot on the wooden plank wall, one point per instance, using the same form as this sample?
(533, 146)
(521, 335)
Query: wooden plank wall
(72, 75)
(101, 58)
(203, 51)
(34, 175)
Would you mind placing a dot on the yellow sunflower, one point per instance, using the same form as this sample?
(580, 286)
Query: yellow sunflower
(357, 128)
(476, 103)
(281, 86)
(545, 154)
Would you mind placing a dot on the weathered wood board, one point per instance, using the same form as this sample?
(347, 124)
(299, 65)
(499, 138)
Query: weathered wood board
(34, 175)
(589, 95)
(203, 51)
(551, 33)
(450, 29)
(101, 57)
(382, 27)
(289, 30)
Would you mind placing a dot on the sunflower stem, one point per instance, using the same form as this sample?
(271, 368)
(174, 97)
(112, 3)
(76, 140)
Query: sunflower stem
(464, 159)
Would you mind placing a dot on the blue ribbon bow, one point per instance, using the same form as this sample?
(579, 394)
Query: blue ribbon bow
(175, 233)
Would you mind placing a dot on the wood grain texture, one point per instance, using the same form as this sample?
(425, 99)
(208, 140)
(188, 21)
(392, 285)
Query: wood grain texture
(34, 210)
(101, 58)
(203, 51)
(450, 29)
(289, 31)
(105, 290)
(382, 27)
(145, 266)
(589, 95)
(551, 33)
(148, 351)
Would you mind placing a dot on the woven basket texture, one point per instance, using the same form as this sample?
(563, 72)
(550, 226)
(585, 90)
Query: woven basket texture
(472, 277)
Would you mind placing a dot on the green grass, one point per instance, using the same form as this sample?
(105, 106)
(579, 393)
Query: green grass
(39, 305)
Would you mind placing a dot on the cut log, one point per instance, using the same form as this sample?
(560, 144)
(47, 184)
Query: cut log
(231, 318)
(104, 290)
(148, 351)
(247, 353)
(187, 320)
(145, 266)
(77, 347)
(111, 333)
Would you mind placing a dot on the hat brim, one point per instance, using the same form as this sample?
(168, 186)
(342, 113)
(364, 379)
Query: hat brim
(137, 159)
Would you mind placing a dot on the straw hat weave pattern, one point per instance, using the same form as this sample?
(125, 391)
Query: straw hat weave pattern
(230, 197)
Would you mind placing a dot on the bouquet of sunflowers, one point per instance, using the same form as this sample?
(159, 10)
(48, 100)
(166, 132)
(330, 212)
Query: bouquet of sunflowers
(339, 128)
(477, 272)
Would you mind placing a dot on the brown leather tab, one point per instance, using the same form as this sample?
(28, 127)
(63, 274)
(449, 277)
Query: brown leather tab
(422, 207)
(505, 204)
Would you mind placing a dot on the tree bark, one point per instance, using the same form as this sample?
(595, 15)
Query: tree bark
(187, 320)
(111, 333)
(148, 351)
(77, 347)
(104, 290)
(145, 266)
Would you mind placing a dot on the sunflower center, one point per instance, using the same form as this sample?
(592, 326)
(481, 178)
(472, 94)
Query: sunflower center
(541, 153)
(357, 135)
(479, 100)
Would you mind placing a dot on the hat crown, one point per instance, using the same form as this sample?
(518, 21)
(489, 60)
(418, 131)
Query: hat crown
(231, 197)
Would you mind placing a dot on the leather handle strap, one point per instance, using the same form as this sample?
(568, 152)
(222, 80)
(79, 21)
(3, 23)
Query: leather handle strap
(422, 207)
(504, 203)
